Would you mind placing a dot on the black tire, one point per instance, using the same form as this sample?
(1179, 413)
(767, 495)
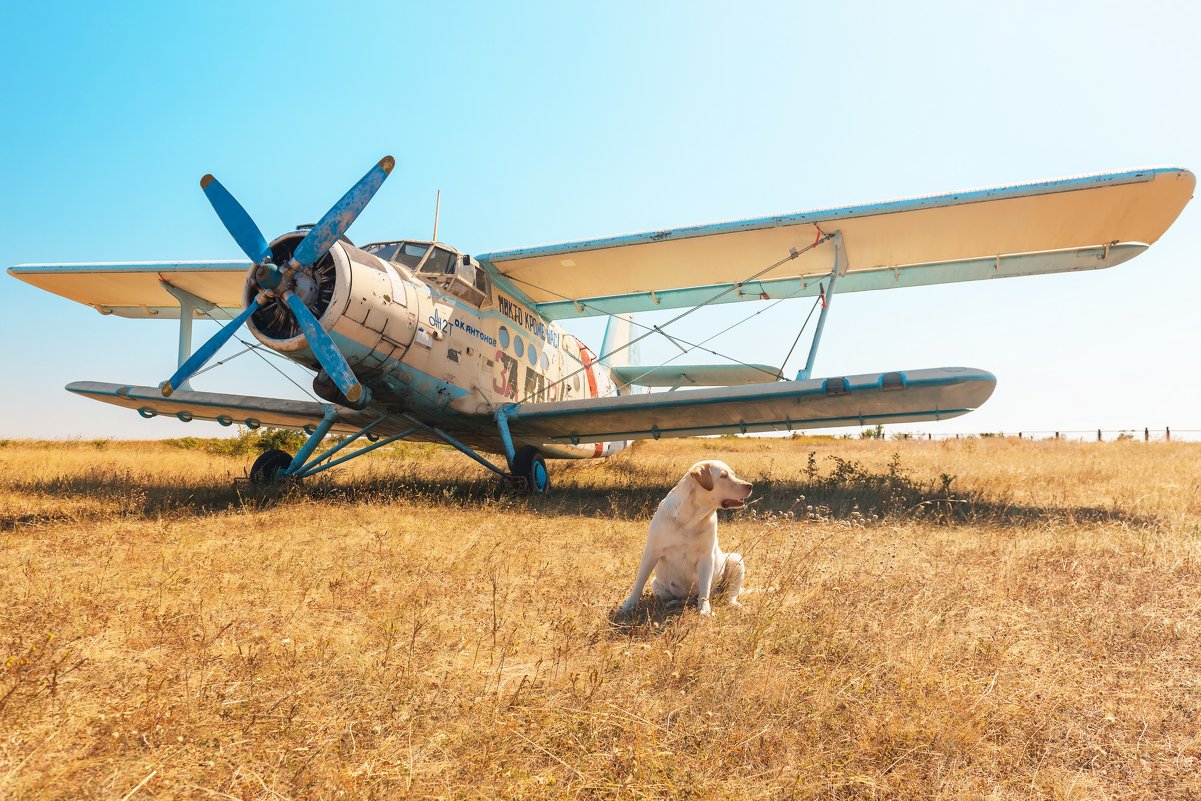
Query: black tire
(268, 467)
(529, 465)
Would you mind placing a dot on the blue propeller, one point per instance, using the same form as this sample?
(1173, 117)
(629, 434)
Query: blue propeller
(325, 349)
(274, 283)
(337, 220)
(236, 220)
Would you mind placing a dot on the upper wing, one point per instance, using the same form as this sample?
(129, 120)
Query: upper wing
(139, 289)
(908, 397)
(1055, 226)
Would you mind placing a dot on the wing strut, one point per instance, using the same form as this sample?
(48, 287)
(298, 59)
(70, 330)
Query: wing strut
(189, 304)
(840, 268)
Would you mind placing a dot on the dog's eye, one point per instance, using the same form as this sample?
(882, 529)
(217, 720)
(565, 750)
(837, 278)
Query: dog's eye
(725, 474)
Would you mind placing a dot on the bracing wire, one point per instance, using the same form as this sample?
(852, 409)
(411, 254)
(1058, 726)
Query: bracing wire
(796, 341)
(729, 328)
(257, 352)
(657, 328)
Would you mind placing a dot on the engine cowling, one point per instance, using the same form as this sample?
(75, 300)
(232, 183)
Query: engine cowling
(369, 306)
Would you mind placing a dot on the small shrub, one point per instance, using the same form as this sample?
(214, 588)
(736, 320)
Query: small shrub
(875, 432)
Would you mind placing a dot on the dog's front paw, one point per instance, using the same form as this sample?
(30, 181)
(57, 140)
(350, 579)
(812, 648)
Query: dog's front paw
(627, 608)
(735, 604)
(706, 611)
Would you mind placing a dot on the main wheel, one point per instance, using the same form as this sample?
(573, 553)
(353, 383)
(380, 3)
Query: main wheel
(268, 467)
(529, 465)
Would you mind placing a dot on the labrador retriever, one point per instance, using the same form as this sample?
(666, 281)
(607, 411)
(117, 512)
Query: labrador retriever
(681, 547)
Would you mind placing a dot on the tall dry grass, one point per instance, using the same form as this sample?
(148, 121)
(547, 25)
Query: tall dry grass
(963, 619)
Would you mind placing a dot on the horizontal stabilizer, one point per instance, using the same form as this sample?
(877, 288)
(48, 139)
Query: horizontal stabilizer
(897, 397)
(695, 375)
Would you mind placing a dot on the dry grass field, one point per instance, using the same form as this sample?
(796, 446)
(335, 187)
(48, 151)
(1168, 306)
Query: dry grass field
(978, 618)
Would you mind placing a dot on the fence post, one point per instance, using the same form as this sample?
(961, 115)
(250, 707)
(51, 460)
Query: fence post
(1146, 435)
(1167, 432)
(1056, 435)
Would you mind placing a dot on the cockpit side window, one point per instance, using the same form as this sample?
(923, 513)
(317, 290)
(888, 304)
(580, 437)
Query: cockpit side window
(482, 283)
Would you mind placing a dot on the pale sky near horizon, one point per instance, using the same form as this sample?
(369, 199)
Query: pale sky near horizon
(553, 122)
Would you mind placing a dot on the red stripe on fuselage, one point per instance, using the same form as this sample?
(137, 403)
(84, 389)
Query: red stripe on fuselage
(586, 358)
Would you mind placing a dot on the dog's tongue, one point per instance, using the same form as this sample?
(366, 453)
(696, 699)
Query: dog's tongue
(730, 503)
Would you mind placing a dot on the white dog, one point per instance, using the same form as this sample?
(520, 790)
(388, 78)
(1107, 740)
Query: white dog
(681, 547)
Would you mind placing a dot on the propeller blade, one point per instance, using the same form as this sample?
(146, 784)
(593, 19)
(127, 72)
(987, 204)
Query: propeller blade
(325, 350)
(236, 220)
(339, 218)
(208, 349)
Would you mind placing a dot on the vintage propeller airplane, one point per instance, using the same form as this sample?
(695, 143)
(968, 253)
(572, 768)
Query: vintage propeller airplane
(416, 340)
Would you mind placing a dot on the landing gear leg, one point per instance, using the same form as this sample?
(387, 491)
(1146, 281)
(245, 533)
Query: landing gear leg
(527, 467)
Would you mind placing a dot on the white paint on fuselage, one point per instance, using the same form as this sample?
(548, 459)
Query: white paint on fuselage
(500, 352)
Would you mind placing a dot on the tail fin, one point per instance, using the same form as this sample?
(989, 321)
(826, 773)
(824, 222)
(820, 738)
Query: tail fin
(618, 334)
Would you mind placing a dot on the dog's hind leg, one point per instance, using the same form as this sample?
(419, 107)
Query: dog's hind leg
(649, 558)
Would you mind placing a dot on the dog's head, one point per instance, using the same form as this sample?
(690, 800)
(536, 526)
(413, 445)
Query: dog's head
(717, 480)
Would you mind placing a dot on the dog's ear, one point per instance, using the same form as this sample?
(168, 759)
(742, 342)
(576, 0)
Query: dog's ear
(702, 475)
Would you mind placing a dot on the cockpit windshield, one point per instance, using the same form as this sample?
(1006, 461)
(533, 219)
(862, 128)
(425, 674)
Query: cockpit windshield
(440, 262)
(452, 272)
(407, 253)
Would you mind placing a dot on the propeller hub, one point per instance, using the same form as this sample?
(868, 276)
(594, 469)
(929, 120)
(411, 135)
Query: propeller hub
(268, 276)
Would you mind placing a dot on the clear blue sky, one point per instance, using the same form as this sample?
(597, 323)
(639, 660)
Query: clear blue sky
(550, 122)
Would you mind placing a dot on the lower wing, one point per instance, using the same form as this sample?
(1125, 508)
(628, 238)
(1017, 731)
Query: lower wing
(245, 410)
(896, 397)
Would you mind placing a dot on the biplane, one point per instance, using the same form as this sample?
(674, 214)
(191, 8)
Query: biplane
(415, 340)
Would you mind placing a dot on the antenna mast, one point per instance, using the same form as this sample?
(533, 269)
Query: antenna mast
(437, 206)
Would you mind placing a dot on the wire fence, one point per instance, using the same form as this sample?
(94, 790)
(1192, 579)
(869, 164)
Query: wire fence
(1144, 434)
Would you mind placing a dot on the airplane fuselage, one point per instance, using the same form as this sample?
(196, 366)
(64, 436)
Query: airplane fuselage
(429, 333)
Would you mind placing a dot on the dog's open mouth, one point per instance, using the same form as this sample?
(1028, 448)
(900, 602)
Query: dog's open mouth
(732, 503)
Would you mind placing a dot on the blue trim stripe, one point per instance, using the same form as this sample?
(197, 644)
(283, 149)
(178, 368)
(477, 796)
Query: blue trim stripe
(100, 267)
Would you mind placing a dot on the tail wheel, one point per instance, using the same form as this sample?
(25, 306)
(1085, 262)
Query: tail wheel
(268, 468)
(528, 464)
